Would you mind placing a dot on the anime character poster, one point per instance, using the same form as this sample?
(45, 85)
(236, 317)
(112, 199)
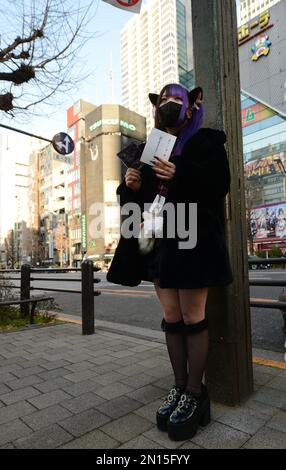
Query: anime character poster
(268, 221)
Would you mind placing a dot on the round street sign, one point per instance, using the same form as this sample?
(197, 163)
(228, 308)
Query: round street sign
(63, 143)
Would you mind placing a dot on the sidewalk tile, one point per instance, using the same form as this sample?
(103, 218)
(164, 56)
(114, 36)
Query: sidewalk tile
(84, 422)
(266, 369)
(161, 438)
(48, 399)
(112, 391)
(92, 440)
(140, 442)
(104, 368)
(159, 372)
(19, 395)
(126, 428)
(219, 436)
(76, 389)
(76, 377)
(4, 389)
(118, 407)
(46, 417)
(267, 438)
(5, 377)
(17, 410)
(243, 420)
(54, 373)
(137, 381)
(262, 378)
(279, 383)
(278, 421)
(255, 406)
(13, 430)
(146, 394)
(130, 370)
(83, 402)
(271, 397)
(21, 373)
(79, 366)
(190, 445)
(106, 379)
(52, 384)
(47, 438)
(25, 382)
(50, 365)
(149, 411)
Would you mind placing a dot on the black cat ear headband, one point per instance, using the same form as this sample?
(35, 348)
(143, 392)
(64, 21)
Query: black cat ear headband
(193, 96)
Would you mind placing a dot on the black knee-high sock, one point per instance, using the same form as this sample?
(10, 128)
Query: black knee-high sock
(197, 347)
(176, 345)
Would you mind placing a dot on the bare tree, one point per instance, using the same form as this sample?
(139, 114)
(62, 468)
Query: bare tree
(39, 45)
(60, 241)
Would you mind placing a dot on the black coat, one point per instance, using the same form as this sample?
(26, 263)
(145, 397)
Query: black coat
(202, 176)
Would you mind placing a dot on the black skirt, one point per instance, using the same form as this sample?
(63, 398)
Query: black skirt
(151, 262)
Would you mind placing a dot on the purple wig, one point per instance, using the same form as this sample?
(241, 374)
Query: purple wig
(193, 125)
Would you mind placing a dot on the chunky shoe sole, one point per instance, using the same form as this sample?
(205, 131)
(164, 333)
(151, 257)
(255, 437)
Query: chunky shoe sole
(162, 422)
(188, 429)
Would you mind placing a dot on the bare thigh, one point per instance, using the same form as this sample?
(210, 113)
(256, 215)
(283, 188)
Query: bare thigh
(193, 304)
(169, 299)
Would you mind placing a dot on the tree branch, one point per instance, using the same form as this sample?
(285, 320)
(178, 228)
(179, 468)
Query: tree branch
(38, 33)
(6, 102)
(23, 74)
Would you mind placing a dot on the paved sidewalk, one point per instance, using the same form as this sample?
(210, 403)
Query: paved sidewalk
(59, 389)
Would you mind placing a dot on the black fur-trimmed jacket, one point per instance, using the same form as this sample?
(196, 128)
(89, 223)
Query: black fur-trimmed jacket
(203, 177)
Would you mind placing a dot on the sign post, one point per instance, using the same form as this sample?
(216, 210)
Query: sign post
(61, 142)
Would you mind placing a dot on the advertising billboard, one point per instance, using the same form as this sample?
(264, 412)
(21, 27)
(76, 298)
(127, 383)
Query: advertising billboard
(268, 222)
(269, 165)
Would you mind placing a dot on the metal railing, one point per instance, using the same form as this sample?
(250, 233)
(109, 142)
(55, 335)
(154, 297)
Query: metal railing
(88, 293)
(279, 304)
(87, 288)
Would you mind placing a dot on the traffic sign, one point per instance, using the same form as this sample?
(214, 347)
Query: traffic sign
(63, 143)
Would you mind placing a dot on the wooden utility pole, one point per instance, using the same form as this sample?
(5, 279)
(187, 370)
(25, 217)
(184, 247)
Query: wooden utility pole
(229, 373)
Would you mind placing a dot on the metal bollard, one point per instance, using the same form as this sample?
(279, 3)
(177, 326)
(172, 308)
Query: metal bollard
(282, 298)
(87, 298)
(25, 288)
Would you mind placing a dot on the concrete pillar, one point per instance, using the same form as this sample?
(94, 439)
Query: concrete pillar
(229, 372)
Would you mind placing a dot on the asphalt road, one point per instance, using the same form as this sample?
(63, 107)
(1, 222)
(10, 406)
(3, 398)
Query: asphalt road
(139, 306)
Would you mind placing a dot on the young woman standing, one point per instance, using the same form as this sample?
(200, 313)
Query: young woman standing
(197, 172)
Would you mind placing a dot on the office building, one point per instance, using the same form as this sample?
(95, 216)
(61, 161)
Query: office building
(251, 8)
(156, 49)
(109, 128)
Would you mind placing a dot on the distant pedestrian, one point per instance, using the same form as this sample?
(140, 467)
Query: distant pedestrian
(197, 172)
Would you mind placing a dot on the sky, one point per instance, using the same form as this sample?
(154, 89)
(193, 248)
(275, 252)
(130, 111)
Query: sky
(106, 25)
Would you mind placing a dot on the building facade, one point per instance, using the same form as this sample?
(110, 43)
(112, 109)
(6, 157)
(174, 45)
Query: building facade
(76, 129)
(22, 238)
(53, 230)
(262, 57)
(156, 49)
(109, 128)
(262, 52)
(250, 8)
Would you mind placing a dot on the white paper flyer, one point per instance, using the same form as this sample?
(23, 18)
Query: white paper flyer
(159, 144)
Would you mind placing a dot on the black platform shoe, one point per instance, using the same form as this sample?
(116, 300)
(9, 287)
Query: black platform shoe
(168, 406)
(188, 415)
